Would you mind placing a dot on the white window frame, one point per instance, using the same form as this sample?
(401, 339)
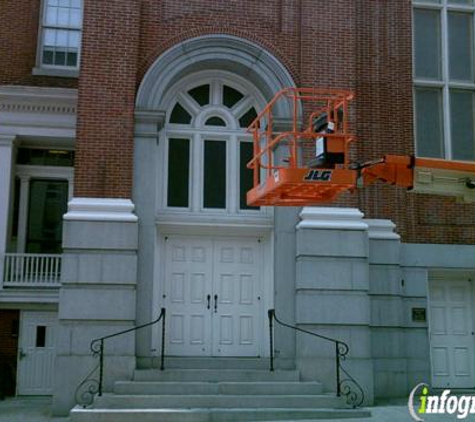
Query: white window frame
(444, 84)
(198, 133)
(52, 69)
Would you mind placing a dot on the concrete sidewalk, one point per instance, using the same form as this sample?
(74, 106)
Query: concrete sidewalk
(37, 409)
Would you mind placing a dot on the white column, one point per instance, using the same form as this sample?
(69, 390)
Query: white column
(23, 212)
(6, 165)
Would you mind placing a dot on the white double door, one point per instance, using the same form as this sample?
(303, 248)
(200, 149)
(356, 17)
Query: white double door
(213, 296)
(452, 334)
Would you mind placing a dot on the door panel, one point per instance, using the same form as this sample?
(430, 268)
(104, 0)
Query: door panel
(188, 270)
(236, 282)
(36, 353)
(212, 296)
(451, 334)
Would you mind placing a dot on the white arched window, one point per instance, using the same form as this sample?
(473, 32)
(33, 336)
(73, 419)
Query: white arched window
(206, 146)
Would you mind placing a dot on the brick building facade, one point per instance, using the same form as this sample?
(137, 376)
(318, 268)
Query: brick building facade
(113, 106)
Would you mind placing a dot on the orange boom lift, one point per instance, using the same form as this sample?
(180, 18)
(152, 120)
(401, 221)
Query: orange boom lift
(306, 160)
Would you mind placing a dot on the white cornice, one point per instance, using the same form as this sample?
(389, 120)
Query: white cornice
(101, 209)
(381, 229)
(38, 100)
(332, 218)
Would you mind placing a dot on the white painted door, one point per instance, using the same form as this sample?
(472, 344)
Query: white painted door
(451, 334)
(236, 296)
(212, 296)
(36, 353)
(188, 287)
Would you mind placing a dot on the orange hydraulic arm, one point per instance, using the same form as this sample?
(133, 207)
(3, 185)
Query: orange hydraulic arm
(393, 169)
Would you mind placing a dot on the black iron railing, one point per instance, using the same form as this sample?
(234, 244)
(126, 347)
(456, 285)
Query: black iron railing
(348, 386)
(92, 383)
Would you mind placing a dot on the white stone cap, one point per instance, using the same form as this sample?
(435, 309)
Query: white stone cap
(101, 209)
(381, 229)
(332, 218)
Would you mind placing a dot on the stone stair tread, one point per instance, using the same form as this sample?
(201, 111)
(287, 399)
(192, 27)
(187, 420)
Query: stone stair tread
(79, 414)
(217, 401)
(217, 387)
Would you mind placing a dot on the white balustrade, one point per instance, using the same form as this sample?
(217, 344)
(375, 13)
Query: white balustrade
(31, 270)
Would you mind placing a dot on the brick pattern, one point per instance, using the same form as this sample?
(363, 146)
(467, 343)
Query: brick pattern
(107, 87)
(363, 45)
(8, 351)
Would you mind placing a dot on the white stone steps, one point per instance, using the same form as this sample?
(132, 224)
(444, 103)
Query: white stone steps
(212, 415)
(212, 393)
(215, 375)
(229, 388)
(216, 363)
(222, 401)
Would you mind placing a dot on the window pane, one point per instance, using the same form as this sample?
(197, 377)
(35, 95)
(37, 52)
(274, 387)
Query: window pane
(214, 189)
(429, 131)
(45, 157)
(47, 205)
(40, 336)
(60, 57)
(63, 16)
(180, 115)
(72, 59)
(245, 175)
(178, 172)
(231, 96)
(52, 2)
(248, 118)
(427, 43)
(73, 39)
(75, 17)
(51, 15)
(461, 119)
(200, 94)
(469, 2)
(215, 121)
(460, 46)
(48, 55)
(50, 37)
(62, 38)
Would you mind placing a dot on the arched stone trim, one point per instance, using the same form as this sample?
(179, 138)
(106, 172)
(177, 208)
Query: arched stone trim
(224, 52)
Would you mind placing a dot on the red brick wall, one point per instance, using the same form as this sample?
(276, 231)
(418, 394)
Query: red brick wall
(19, 24)
(364, 45)
(105, 123)
(8, 350)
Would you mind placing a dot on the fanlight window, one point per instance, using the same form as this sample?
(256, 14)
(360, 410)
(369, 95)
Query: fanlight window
(208, 149)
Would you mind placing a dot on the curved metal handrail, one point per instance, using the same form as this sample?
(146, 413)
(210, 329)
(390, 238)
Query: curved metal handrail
(91, 386)
(343, 386)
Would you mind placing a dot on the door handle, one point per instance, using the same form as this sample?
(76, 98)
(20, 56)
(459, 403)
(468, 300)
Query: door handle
(21, 353)
(209, 299)
(215, 303)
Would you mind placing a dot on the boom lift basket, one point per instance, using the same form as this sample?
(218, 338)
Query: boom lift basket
(303, 160)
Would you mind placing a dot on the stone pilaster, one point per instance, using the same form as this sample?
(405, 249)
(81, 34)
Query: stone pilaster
(332, 294)
(6, 178)
(97, 295)
(385, 290)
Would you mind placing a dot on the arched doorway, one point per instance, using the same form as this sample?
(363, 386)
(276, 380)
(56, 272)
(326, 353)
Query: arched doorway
(212, 254)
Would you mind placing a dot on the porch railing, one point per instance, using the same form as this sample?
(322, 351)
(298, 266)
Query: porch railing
(31, 270)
